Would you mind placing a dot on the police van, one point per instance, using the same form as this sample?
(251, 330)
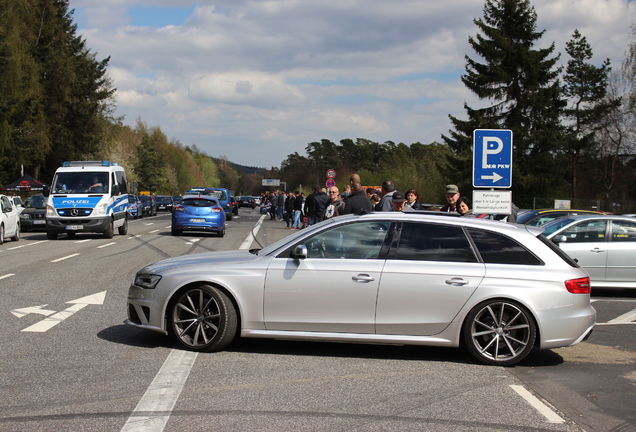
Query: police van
(87, 196)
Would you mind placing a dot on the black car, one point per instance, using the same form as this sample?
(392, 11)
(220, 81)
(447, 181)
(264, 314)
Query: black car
(235, 205)
(148, 205)
(34, 214)
(246, 201)
(164, 203)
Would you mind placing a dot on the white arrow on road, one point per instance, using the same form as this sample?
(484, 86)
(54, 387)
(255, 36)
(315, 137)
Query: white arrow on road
(494, 177)
(33, 309)
(53, 320)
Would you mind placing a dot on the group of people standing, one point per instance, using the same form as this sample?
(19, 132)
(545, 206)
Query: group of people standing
(299, 211)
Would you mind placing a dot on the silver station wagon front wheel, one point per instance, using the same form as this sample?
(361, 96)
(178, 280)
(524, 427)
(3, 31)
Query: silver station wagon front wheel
(203, 318)
(499, 332)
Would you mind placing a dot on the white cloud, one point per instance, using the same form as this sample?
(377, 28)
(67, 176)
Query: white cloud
(258, 80)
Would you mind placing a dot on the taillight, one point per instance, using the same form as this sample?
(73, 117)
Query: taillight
(217, 209)
(579, 286)
(179, 208)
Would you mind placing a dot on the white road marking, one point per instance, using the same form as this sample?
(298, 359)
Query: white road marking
(162, 394)
(33, 309)
(250, 238)
(7, 275)
(153, 231)
(27, 244)
(78, 304)
(154, 409)
(107, 244)
(543, 409)
(83, 241)
(66, 257)
(626, 318)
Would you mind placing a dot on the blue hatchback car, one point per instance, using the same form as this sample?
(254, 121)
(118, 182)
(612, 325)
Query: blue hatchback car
(198, 213)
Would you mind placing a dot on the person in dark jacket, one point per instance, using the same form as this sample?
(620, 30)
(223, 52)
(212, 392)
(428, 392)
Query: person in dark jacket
(315, 205)
(357, 202)
(412, 200)
(289, 209)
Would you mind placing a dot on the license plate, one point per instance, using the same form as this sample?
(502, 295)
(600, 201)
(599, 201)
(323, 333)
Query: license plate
(74, 227)
(197, 220)
(36, 222)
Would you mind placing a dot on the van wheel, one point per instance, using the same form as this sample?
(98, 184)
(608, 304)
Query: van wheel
(110, 230)
(123, 230)
(51, 235)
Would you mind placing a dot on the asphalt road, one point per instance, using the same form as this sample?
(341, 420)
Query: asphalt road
(68, 363)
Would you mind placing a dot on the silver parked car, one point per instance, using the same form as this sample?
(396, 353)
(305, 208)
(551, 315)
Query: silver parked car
(604, 245)
(408, 278)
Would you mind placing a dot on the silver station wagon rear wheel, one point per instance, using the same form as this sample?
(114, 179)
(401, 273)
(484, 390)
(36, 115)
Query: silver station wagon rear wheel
(203, 318)
(499, 332)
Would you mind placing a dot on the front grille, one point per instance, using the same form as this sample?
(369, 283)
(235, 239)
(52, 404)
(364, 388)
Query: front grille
(74, 212)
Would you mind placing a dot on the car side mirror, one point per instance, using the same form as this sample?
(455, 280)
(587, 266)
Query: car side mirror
(115, 190)
(299, 252)
(47, 191)
(559, 239)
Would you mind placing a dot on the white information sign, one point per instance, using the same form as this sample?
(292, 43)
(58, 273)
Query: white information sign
(270, 182)
(492, 202)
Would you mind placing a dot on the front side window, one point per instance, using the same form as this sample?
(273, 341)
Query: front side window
(351, 241)
(433, 242)
(496, 248)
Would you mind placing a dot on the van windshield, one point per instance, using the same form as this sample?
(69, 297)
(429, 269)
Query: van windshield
(80, 182)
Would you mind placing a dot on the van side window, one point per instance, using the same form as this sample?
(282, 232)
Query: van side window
(121, 180)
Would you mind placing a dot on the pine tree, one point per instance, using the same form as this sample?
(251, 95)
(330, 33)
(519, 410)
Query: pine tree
(521, 84)
(586, 88)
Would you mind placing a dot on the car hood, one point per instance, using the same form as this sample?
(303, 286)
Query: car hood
(207, 258)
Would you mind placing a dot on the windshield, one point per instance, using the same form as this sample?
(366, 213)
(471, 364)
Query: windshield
(80, 182)
(144, 199)
(282, 242)
(163, 199)
(220, 194)
(37, 201)
(555, 225)
(132, 199)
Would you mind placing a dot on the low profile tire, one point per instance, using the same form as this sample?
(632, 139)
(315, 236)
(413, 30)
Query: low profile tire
(51, 235)
(16, 236)
(110, 230)
(176, 232)
(203, 318)
(230, 217)
(1, 234)
(499, 332)
(123, 230)
(222, 232)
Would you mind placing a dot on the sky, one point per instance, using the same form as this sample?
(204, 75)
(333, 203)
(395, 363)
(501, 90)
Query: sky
(254, 81)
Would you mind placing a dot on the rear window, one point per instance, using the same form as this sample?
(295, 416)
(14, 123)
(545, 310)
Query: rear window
(496, 248)
(199, 202)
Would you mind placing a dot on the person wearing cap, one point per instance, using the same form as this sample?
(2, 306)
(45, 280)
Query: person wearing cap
(399, 201)
(452, 195)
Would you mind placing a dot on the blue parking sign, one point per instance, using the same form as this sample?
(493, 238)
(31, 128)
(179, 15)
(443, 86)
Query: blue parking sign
(492, 158)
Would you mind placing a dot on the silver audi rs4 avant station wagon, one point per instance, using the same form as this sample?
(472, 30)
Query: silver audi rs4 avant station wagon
(497, 289)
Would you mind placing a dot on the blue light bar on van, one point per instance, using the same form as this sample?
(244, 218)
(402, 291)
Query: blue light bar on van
(87, 163)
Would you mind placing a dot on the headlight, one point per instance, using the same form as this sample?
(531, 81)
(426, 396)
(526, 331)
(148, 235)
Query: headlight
(100, 210)
(146, 281)
(25, 216)
(50, 211)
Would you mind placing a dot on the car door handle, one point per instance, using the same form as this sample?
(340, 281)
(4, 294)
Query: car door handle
(363, 278)
(456, 281)
(597, 250)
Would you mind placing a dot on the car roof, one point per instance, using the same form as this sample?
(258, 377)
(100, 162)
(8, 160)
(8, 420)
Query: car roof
(599, 217)
(446, 218)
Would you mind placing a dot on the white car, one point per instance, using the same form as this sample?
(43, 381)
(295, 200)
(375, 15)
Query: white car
(9, 220)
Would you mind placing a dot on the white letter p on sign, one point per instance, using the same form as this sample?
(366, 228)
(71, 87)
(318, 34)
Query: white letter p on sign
(491, 146)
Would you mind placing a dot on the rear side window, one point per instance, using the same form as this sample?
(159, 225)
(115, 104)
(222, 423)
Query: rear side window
(496, 248)
(623, 231)
(433, 242)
